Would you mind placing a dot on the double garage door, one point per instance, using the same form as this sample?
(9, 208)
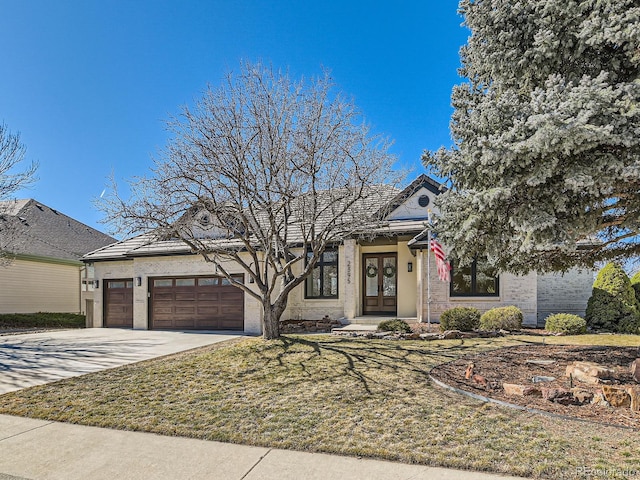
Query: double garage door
(179, 303)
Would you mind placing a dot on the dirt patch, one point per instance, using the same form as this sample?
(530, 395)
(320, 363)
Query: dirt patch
(545, 366)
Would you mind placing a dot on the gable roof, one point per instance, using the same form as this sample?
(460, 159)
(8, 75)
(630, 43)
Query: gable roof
(28, 227)
(423, 181)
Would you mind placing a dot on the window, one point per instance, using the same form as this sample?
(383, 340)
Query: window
(323, 280)
(476, 280)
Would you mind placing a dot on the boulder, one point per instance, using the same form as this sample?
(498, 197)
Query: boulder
(599, 400)
(558, 395)
(616, 396)
(480, 380)
(589, 372)
(513, 389)
(635, 370)
(581, 395)
(430, 336)
(469, 372)
(451, 335)
(634, 396)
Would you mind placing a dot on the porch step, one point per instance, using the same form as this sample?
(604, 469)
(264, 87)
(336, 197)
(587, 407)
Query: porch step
(355, 327)
(374, 320)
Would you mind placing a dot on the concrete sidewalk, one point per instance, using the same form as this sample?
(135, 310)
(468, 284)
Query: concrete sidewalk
(42, 450)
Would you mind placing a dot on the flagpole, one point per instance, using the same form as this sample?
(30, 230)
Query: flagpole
(429, 271)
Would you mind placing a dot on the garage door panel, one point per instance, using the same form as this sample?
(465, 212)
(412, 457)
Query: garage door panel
(185, 296)
(118, 303)
(196, 303)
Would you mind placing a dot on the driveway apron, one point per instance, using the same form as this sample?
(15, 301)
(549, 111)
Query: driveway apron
(39, 358)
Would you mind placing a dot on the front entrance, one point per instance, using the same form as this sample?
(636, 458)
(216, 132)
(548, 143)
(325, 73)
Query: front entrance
(380, 281)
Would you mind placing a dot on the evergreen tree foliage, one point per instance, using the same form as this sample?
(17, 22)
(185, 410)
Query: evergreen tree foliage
(545, 167)
(635, 283)
(613, 305)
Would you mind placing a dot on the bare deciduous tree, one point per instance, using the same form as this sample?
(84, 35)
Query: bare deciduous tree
(266, 172)
(12, 179)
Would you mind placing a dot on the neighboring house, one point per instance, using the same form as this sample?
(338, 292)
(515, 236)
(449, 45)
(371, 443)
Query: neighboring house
(44, 271)
(161, 285)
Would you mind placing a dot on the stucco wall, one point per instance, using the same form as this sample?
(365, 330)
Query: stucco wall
(31, 286)
(564, 293)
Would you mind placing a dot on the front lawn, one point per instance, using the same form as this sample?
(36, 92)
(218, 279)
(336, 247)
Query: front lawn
(358, 397)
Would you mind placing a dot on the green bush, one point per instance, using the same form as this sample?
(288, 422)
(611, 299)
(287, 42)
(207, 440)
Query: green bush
(502, 318)
(565, 323)
(42, 320)
(394, 325)
(613, 306)
(635, 283)
(460, 318)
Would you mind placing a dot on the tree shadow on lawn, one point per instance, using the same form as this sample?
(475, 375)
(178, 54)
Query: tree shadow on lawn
(362, 359)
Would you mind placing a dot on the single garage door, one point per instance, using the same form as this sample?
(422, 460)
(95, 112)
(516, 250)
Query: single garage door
(198, 303)
(118, 303)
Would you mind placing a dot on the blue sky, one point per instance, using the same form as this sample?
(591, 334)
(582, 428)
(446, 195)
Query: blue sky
(89, 84)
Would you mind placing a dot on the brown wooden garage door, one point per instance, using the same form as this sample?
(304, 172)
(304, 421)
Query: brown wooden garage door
(198, 303)
(118, 303)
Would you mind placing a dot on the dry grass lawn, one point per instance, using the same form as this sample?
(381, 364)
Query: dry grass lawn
(368, 398)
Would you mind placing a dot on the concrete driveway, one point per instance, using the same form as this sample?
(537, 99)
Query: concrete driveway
(38, 358)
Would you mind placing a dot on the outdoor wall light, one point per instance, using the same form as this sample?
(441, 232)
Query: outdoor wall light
(96, 284)
(410, 267)
(138, 281)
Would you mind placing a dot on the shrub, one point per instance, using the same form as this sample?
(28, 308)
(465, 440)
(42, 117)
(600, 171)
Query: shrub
(565, 323)
(635, 283)
(460, 318)
(42, 320)
(613, 306)
(502, 318)
(394, 325)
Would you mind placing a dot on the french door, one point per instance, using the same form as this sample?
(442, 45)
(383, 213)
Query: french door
(380, 283)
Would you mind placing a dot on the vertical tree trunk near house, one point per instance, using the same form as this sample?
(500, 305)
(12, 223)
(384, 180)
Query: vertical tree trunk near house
(271, 319)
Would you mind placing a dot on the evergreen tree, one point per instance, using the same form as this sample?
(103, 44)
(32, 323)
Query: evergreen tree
(635, 283)
(613, 305)
(545, 167)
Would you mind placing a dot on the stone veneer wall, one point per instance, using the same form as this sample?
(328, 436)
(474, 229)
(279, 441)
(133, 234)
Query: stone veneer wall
(564, 293)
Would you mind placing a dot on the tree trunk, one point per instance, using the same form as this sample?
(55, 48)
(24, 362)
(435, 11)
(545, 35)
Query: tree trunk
(271, 322)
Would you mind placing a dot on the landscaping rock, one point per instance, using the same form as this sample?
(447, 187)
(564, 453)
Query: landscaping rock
(411, 336)
(589, 372)
(469, 335)
(616, 396)
(558, 395)
(634, 395)
(469, 372)
(430, 336)
(541, 361)
(542, 379)
(582, 396)
(635, 370)
(451, 335)
(513, 389)
(479, 379)
(599, 400)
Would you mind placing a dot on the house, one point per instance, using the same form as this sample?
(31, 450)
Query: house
(152, 284)
(42, 269)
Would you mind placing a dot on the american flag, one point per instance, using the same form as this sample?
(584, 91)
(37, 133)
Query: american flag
(441, 261)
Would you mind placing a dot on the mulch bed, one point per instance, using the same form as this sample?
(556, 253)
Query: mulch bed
(518, 365)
